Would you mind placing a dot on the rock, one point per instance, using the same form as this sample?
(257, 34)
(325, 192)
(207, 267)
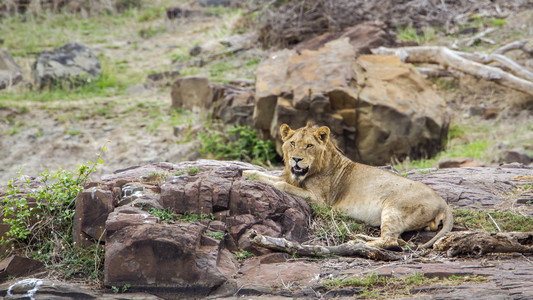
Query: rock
(184, 258)
(158, 256)
(181, 13)
(16, 266)
(459, 162)
(93, 207)
(192, 93)
(35, 288)
(135, 89)
(378, 108)
(362, 37)
(195, 51)
(476, 188)
(71, 65)
(161, 79)
(10, 71)
(235, 106)
(516, 155)
(491, 113)
(215, 2)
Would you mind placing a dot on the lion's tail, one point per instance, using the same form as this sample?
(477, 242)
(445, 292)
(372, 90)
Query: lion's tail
(446, 227)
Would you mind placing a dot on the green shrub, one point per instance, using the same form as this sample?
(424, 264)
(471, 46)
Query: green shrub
(243, 144)
(42, 227)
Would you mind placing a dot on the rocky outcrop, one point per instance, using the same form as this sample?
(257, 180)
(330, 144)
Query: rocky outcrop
(195, 255)
(378, 108)
(479, 188)
(10, 71)
(235, 106)
(70, 65)
(191, 256)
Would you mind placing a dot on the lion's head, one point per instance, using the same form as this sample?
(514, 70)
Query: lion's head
(303, 150)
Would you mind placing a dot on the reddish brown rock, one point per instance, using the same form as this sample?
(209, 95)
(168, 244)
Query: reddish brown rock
(163, 256)
(16, 266)
(92, 209)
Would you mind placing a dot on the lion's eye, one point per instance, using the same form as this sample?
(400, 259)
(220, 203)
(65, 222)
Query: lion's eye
(292, 144)
(309, 146)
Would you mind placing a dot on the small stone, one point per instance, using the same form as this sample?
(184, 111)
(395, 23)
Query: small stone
(516, 155)
(135, 89)
(490, 113)
(196, 50)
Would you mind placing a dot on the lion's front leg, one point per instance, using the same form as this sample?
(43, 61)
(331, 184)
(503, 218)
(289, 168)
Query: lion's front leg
(263, 177)
(295, 191)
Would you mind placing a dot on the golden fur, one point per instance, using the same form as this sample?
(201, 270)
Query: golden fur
(317, 171)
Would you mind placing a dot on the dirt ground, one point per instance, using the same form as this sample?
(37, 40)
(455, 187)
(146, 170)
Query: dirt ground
(137, 126)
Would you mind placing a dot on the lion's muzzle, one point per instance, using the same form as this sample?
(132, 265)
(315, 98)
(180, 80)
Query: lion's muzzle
(297, 168)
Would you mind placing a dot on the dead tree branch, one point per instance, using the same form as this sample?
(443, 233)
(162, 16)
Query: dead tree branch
(450, 59)
(506, 63)
(347, 249)
(479, 243)
(518, 45)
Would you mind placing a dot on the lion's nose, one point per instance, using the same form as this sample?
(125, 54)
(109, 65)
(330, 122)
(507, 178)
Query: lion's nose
(297, 159)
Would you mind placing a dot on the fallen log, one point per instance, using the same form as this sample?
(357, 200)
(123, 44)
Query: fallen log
(479, 243)
(351, 248)
(451, 59)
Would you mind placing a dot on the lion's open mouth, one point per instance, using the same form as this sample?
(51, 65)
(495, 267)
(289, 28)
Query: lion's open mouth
(299, 171)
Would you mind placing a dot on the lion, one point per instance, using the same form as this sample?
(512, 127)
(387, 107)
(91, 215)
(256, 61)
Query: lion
(318, 172)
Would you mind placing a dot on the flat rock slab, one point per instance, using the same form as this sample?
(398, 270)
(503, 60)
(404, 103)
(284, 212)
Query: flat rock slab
(504, 277)
(480, 188)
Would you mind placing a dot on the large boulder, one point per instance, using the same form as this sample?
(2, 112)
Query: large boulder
(379, 108)
(193, 256)
(69, 65)
(10, 71)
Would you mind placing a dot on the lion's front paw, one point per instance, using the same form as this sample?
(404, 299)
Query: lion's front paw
(281, 185)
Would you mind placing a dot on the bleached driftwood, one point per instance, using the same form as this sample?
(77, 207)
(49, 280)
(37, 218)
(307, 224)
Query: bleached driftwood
(505, 62)
(451, 59)
(479, 243)
(518, 45)
(347, 249)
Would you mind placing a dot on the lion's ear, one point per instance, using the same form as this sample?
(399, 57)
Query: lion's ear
(286, 132)
(322, 134)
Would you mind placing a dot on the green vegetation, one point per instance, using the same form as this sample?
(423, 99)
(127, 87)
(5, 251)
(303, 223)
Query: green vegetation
(167, 215)
(124, 288)
(242, 143)
(194, 170)
(157, 177)
(456, 148)
(243, 254)
(507, 221)
(216, 235)
(377, 286)
(408, 33)
(40, 222)
(333, 227)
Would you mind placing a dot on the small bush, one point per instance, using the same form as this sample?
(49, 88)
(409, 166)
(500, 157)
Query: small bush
(243, 254)
(40, 222)
(243, 144)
